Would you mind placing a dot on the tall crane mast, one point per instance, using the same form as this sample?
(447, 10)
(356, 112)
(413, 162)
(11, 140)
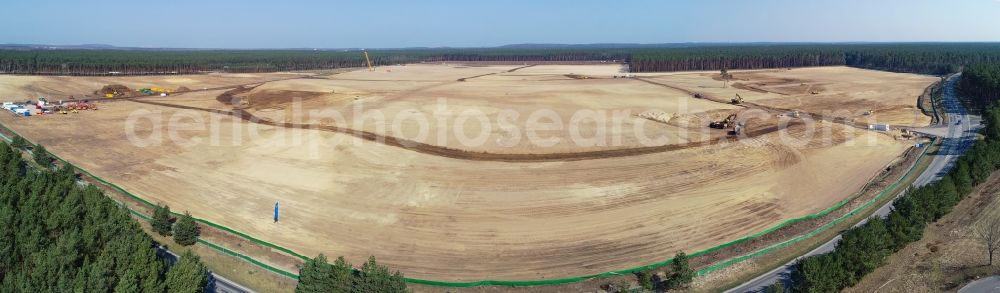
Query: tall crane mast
(369, 61)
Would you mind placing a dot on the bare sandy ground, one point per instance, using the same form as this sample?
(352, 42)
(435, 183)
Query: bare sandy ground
(507, 98)
(840, 91)
(460, 220)
(22, 87)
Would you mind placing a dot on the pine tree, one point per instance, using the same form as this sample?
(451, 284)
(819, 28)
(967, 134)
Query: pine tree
(343, 275)
(19, 142)
(41, 156)
(947, 196)
(127, 283)
(963, 180)
(161, 220)
(186, 231)
(374, 277)
(980, 169)
(189, 275)
(681, 273)
(152, 278)
(316, 276)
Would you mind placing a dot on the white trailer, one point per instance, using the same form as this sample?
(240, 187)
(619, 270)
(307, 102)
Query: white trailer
(878, 127)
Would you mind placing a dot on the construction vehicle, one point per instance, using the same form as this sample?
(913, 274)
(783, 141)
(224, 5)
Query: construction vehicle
(161, 90)
(369, 61)
(737, 129)
(86, 105)
(737, 100)
(725, 123)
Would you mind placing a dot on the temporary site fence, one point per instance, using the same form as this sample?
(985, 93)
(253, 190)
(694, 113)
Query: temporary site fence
(891, 189)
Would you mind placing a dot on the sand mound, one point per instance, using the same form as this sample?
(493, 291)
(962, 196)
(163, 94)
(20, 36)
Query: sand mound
(114, 89)
(657, 116)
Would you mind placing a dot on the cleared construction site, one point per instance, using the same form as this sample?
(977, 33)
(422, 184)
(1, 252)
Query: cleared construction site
(695, 159)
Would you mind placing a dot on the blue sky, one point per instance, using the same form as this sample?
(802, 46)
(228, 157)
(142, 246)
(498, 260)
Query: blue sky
(472, 23)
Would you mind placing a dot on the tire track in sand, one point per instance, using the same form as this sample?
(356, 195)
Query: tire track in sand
(460, 154)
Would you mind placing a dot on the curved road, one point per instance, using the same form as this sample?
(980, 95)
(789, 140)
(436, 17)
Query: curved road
(216, 283)
(984, 285)
(959, 132)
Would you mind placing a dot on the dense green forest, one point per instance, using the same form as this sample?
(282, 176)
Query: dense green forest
(980, 84)
(99, 62)
(930, 58)
(927, 58)
(734, 57)
(59, 236)
(865, 248)
(937, 59)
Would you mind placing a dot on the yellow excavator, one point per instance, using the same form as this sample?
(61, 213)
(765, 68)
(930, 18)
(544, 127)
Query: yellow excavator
(735, 127)
(737, 100)
(369, 61)
(725, 123)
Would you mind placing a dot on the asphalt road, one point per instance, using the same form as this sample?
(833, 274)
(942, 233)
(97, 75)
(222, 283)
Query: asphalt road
(216, 283)
(959, 136)
(984, 285)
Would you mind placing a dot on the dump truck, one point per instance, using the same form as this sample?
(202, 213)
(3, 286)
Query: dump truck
(737, 129)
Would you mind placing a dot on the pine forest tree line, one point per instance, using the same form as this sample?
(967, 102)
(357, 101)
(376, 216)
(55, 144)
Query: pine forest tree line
(59, 236)
(927, 58)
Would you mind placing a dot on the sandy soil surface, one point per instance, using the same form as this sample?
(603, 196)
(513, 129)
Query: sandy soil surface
(839, 91)
(452, 219)
(23, 87)
(494, 111)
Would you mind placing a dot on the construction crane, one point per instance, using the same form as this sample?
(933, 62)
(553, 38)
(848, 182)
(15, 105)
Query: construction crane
(369, 61)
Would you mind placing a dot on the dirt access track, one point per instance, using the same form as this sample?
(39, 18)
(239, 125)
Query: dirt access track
(452, 219)
(837, 91)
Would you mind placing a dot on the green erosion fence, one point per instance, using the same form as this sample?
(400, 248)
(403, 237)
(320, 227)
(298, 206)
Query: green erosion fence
(891, 189)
